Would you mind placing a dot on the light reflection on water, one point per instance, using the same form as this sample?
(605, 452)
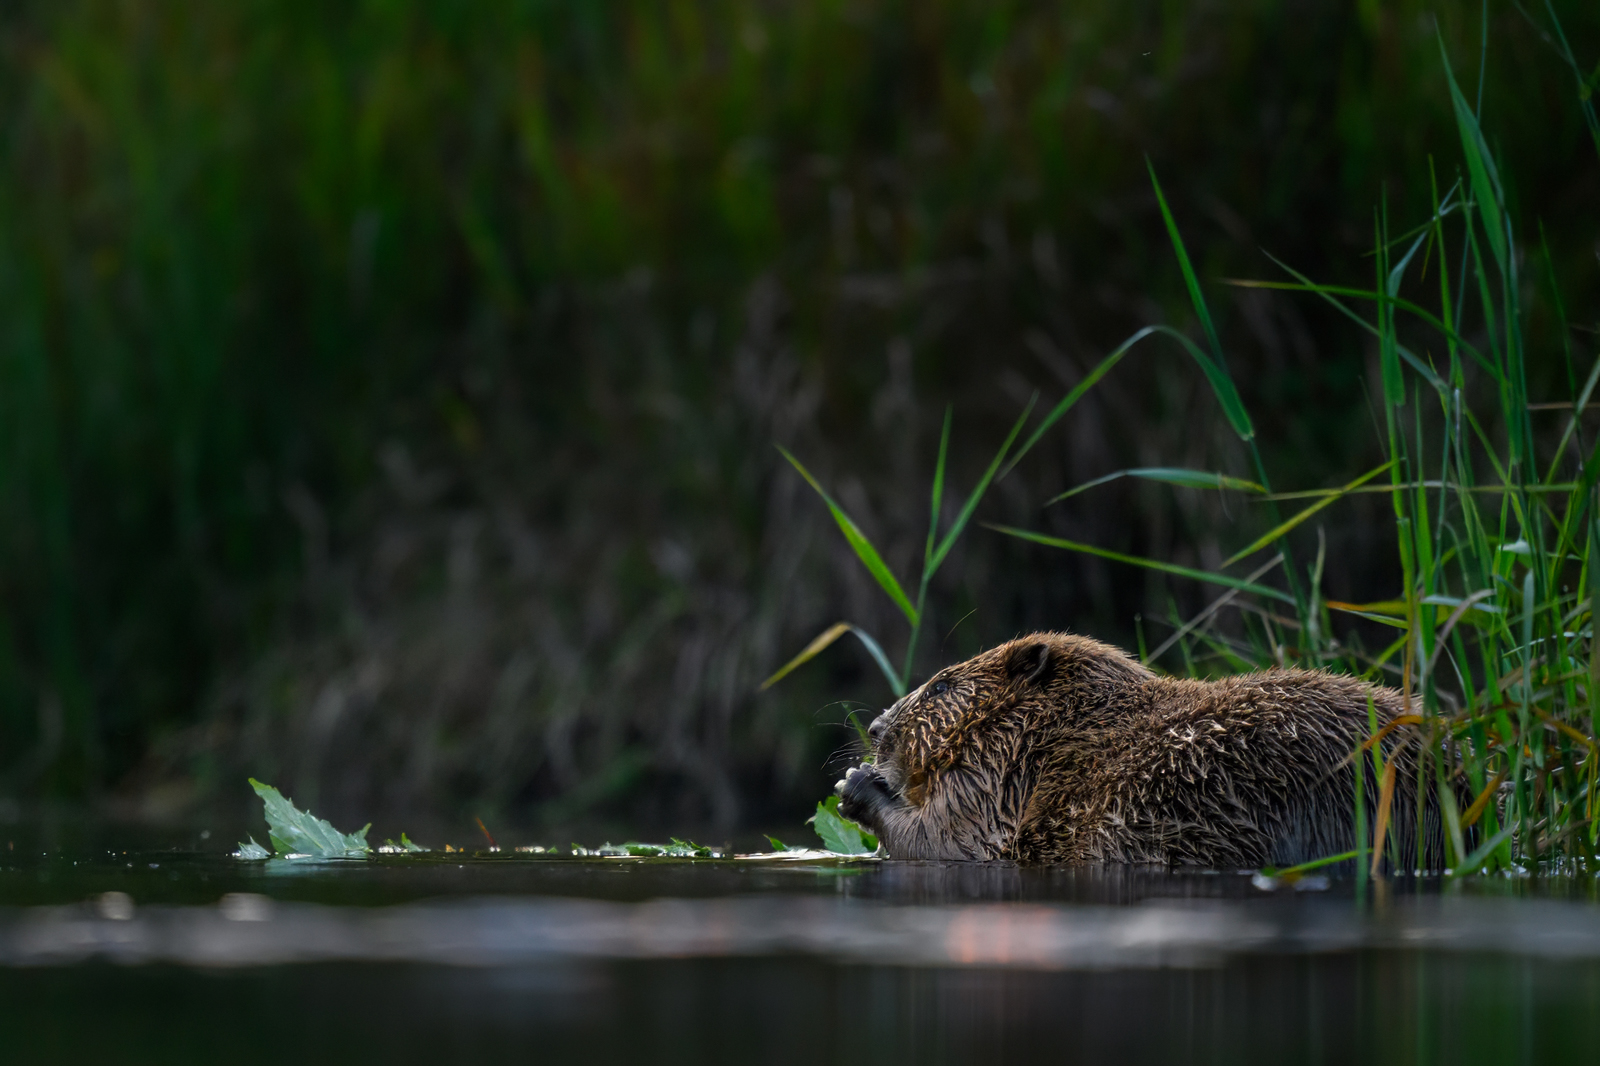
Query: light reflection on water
(172, 955)
(246, 929)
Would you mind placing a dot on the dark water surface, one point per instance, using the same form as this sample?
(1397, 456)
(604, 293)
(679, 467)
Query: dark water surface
(172, 951)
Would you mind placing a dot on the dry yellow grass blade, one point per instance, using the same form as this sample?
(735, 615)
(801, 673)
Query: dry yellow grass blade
(1475, 811)
(1385, 806)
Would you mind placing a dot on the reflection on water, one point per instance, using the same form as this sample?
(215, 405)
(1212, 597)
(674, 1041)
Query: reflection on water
(246, 929)
(174, 955)
(1347, 1007)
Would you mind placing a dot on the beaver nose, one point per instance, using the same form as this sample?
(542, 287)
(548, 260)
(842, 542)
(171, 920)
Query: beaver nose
(879, 724)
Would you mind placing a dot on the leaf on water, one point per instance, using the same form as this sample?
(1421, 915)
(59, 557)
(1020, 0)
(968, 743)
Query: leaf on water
(688, 849)
(406, 845)
(777, 845)
(634, 848)
(839, 834)
(678, 849)
(252, 851)
(297, 832)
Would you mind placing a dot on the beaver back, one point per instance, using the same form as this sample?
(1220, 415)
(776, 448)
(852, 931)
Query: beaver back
(1057, 748)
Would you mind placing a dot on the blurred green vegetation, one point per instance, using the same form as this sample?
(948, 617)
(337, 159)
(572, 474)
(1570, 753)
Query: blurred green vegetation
(388, 388)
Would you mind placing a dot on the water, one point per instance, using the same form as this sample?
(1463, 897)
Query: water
(171, 951)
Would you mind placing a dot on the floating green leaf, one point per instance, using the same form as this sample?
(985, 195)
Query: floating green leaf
(677, 849)
(297, 832)
(839, 834)
(406, 844)
(251, 850)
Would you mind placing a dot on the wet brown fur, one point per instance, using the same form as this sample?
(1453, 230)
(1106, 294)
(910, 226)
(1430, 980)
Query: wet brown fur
(1058, 748)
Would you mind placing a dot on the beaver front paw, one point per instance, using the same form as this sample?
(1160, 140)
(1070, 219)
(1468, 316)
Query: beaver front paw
(862, 794)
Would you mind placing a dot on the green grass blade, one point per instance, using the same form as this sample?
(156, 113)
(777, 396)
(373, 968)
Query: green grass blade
(1394, 621)
(976, 495)
(1216, 605)
(938, 489)
(1212, 365)
(1221, 384)
(1090, 381)
(1586, 85)
(1190, 281)
(1592, 565)
(821, 644)
(1474, 862)
(1278, 531)
(1480, 169)
(896, 685)
(1392, 288)
(1572, 423)
(1189, 479)
(1330, 293)
(812, 650)
(1207, 576)
(859, 543)
(1394, 383)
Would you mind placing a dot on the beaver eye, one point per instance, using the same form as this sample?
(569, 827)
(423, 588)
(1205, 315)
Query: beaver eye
(939, 688)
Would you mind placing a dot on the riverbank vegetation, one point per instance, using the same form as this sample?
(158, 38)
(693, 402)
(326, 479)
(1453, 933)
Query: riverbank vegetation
(1495, 516)
(388, 390)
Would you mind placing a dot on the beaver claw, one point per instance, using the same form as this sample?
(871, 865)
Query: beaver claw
(862, 794)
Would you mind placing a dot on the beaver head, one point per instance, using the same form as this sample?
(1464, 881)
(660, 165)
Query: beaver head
(945, 720)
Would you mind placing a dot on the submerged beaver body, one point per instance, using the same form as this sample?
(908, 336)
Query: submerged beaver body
(1057, 748)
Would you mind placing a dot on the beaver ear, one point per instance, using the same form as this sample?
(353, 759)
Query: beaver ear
(1029, 663)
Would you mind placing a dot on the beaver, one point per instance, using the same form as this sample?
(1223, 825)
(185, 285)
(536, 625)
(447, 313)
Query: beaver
(1060, 749)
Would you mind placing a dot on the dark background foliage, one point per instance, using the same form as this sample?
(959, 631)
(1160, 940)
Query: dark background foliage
(388, 390)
